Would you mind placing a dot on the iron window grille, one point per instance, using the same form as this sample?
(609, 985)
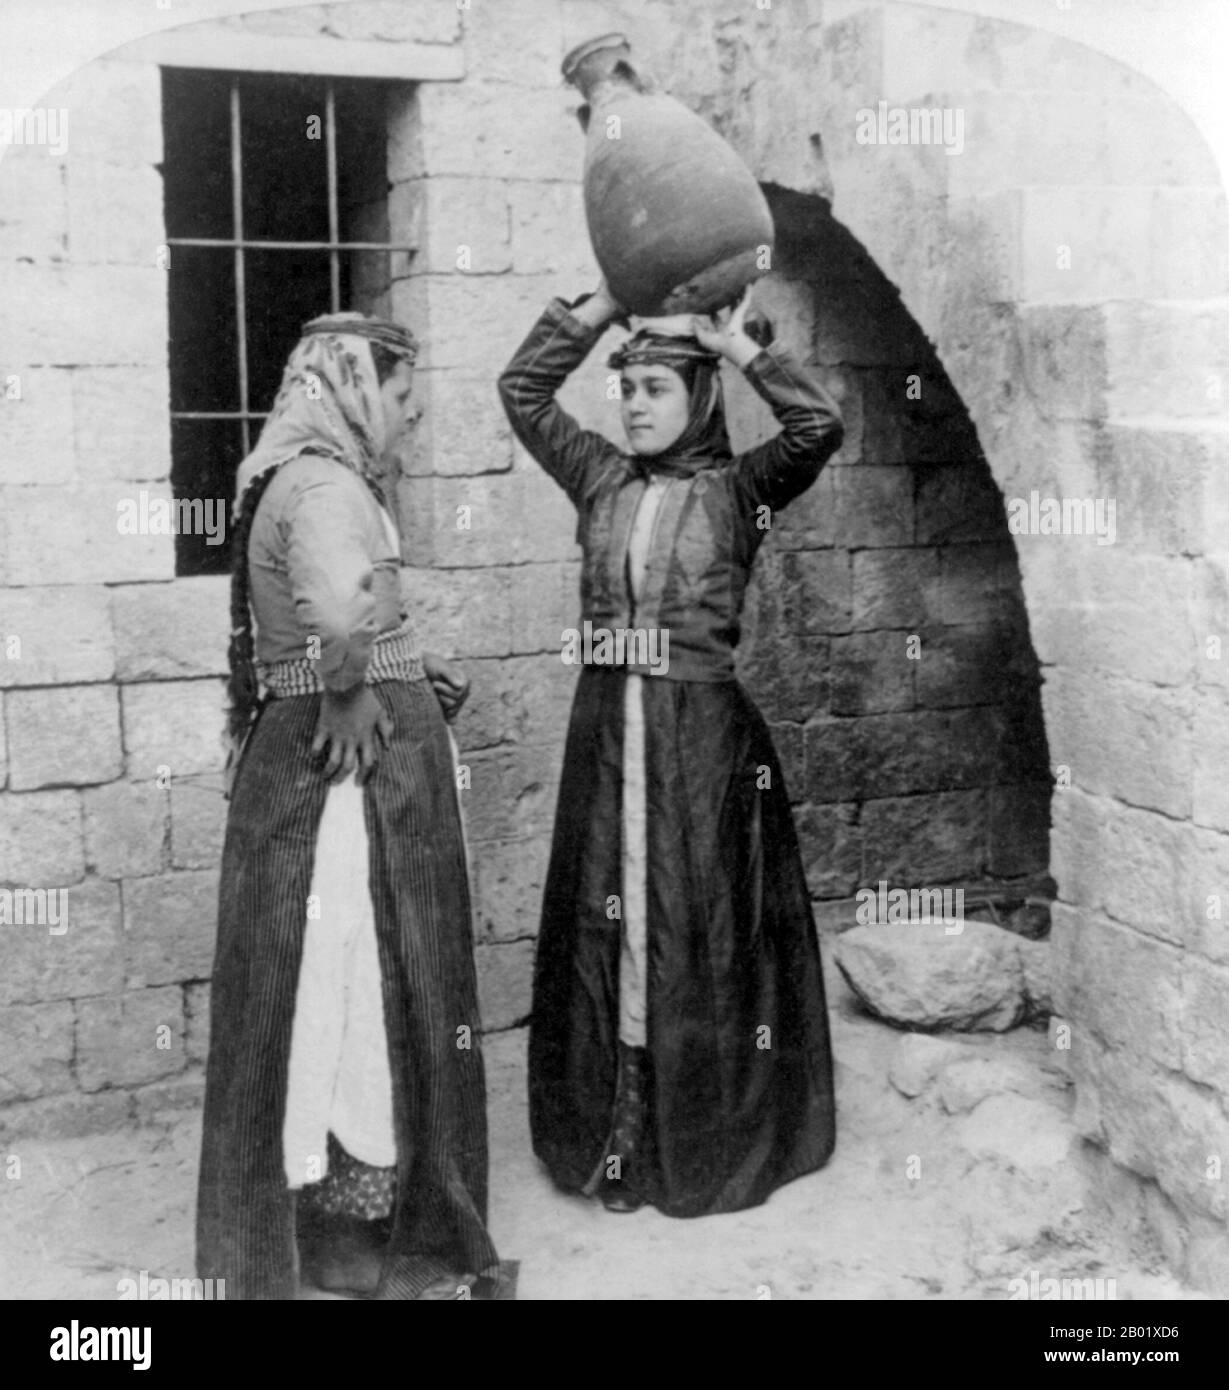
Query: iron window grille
(279, 176)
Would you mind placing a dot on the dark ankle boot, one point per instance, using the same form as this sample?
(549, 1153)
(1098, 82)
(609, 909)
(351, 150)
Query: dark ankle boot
(618, 1185)
(342, 1254)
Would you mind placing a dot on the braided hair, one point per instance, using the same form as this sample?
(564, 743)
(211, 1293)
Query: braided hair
(243, 686)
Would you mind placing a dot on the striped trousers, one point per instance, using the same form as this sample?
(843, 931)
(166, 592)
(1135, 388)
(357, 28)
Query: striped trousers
(420, 895)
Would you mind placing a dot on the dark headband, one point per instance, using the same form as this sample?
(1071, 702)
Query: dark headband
(392, 336)
(647, 346)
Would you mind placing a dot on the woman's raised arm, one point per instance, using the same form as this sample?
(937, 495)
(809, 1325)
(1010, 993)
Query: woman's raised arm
(777, 471)
(811, 426)
(557, 344)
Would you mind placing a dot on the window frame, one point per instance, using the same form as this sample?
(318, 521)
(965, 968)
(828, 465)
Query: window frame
(240, 244)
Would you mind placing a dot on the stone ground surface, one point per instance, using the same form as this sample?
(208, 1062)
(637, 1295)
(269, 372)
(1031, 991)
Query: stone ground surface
(999, 1192)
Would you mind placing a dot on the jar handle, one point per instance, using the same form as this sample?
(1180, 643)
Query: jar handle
(632, 76)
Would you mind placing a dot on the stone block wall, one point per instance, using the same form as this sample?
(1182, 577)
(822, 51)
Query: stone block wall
(1069, 273)
(1070, 270)
(113, 706)
(112, 677)
(887, 640)
(109, 679)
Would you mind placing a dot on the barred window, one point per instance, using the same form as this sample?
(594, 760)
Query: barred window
(276, 193)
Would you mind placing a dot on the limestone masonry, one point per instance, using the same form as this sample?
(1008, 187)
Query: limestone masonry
(1066, 713)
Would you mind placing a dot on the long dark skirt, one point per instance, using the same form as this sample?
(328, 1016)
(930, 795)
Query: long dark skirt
(739, 1068)
(245, 1214)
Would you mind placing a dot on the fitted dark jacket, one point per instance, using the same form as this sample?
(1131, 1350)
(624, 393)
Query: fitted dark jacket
(710, 524)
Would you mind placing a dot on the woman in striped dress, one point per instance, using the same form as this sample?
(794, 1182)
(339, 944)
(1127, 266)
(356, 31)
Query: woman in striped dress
(345, 1099)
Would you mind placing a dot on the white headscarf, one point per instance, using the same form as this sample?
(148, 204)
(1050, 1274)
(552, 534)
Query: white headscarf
(329, 399)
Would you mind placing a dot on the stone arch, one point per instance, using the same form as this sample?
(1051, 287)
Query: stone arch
(1107, 377)
(1095, 373)
(885, 635)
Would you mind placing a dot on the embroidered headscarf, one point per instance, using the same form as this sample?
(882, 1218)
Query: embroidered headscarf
(329, 399)
(704, 442)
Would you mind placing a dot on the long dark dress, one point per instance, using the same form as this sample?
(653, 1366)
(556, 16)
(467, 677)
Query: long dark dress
(739, 1076)
(245, 1219)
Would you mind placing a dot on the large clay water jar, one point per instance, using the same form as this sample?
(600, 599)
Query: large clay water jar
(677, 220)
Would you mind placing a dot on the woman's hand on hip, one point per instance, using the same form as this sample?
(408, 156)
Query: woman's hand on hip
(352, 728)
(449, 681)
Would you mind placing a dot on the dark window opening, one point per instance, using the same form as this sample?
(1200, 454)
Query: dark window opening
(276, 203)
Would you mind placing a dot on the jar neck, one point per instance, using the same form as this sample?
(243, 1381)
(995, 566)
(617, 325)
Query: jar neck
(600, 89)
(604, 71)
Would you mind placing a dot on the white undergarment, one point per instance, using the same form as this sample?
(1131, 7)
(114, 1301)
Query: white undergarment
(339, 1073)
(633, 965)
(340, 1078)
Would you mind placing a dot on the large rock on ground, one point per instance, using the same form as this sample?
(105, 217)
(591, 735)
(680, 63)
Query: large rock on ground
(915, 975)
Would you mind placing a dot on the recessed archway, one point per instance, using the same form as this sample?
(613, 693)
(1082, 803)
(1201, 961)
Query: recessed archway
(1068, 266)
(886, 637)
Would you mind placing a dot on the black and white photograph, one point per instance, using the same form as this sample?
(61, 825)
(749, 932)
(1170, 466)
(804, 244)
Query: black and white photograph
(611, 674)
